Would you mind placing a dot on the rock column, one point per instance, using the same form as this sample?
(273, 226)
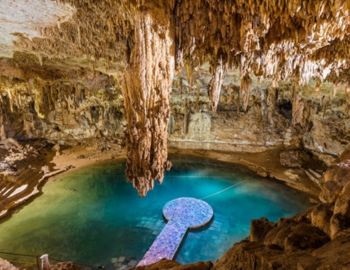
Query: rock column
(215, 85)
(244, 91)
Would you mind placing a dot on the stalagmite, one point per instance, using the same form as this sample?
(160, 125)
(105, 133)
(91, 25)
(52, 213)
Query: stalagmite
(271, 105)
(263, 96)
(268, 105)
(244, 91)
(215, 85)
(347, 94)
(298, 110)
(2, 129)
(148, 81)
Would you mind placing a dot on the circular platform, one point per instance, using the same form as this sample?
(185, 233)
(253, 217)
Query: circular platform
(189, 212)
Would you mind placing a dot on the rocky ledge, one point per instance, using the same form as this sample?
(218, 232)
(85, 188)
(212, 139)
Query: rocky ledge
(23, 168)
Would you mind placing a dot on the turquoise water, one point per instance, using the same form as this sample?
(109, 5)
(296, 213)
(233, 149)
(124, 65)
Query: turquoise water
(93, 215)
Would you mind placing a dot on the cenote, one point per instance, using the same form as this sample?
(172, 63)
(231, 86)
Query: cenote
(93, 215)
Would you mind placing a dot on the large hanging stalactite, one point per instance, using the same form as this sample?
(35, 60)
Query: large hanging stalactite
(148, 81)
(215, 85)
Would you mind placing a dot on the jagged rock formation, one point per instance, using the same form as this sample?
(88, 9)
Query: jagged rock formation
(57, 101)
(273, 38)
(280, 40)
(268, 121)
(276, 39)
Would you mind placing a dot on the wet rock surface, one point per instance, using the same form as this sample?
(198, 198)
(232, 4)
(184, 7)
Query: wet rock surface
(57, 103)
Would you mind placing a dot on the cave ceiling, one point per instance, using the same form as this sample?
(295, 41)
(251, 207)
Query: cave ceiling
(143, 43)
(278, 39)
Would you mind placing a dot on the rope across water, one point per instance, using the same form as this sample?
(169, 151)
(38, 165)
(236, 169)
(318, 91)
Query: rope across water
(221, 191)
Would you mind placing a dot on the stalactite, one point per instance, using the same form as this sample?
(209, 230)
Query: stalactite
(244, 91)
(179, 53)
(325, 102)
(215, 85)
(269, 38)
(148, 81)
(279, 39)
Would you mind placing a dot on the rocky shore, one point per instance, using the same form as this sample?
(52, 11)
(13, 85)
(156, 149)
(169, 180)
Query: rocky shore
(26, 166)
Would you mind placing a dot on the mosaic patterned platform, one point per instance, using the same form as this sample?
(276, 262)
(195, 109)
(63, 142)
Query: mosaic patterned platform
(182, 214)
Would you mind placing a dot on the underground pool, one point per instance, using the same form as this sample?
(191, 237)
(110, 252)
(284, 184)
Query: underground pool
(94, 217)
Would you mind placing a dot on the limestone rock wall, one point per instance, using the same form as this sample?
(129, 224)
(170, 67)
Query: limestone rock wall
(280, 40)
(70, 104)
(276, 115)
(59, 104)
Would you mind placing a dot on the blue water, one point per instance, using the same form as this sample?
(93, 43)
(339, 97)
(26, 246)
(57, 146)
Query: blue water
(93, 215)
